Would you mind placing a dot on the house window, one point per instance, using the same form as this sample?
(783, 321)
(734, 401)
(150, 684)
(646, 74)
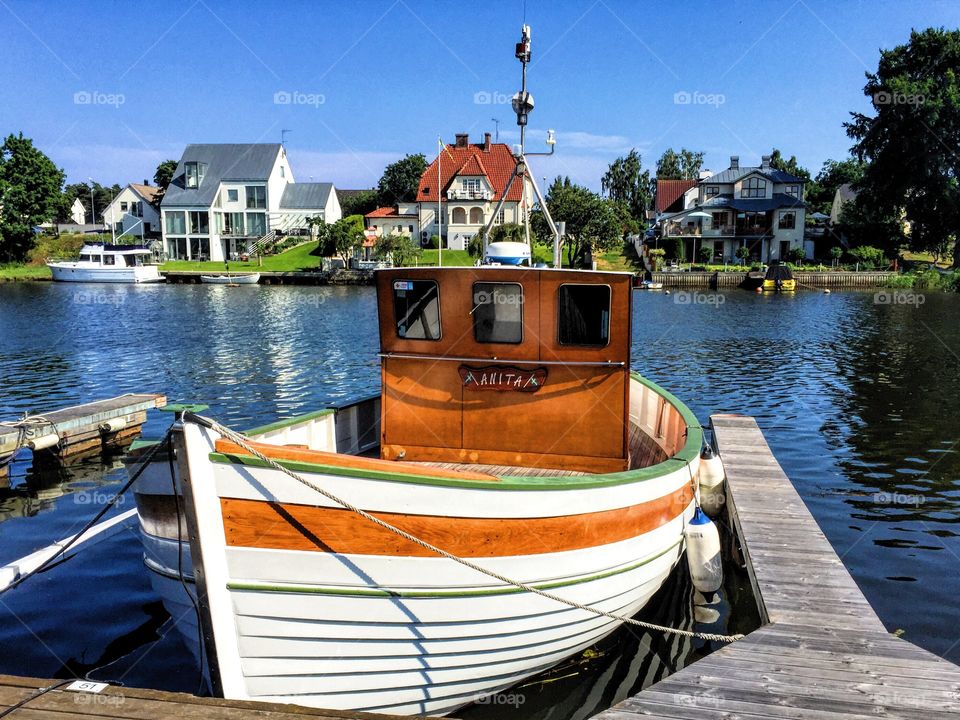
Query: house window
(459, 216)
(194, 173)
(233, 195)
(176, 223)
(471, 185)
(411, 228)
(476, 216)
(711, 191)
(256, 196)
(123, 207)
(497, 312)
(788, 220)
(256, 224)
(199, 222)
(719, 218)
(584, 314)
(500, 217)
(282, 171)
(416, 309)
(754, 187)
(793, 191)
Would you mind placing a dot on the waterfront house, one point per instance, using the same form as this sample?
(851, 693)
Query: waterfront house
(77, 212)
(401, 219)
(758, 207)
(844, 194)
(227, 200)
(468, 179)
(135, 211)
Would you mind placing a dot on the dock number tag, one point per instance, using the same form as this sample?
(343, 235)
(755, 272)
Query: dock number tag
(502, 379)
(87, 686)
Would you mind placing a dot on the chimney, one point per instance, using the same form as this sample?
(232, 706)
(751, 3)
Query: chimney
(765, 162)
(734, 162)
(462, 140)
(146, 182)
(486, 142)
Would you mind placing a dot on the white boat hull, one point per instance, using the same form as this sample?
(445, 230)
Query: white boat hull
(250, 279)
(71, 272)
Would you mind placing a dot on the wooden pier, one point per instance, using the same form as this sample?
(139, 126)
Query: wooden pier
(126, 703)
(81, 430)
(821, 651)
(735, 278)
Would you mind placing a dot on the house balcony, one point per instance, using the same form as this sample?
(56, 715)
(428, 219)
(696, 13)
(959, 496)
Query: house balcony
(454, 194)
(724, 231)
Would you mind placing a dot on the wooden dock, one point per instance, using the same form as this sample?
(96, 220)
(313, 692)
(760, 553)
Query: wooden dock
(134, 703)
(83, 429)
(821, 651)
(735, 278)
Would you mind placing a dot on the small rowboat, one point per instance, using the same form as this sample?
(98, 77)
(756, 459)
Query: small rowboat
(241, 279)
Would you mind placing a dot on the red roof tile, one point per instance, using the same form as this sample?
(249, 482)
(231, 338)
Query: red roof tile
(497, 165)
(669, 191)
(387, 212)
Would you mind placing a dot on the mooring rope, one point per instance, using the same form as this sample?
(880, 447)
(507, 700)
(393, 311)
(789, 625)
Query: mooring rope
(25, 428)
(244, 443)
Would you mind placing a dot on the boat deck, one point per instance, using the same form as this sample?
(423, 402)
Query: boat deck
(822, 652)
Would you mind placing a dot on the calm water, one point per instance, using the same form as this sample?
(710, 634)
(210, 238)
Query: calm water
(858, 400)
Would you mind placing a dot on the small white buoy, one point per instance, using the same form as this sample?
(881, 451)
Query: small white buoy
(703, 553)
(827, 291)
(712, 475)
(666, 292)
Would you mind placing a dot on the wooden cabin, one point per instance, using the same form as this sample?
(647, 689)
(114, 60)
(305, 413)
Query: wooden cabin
(519, 367)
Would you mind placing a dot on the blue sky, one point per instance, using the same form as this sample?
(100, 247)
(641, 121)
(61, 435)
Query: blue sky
(108, 89)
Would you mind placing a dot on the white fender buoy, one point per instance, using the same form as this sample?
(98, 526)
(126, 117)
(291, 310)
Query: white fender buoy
(712, 475)
(703, 553)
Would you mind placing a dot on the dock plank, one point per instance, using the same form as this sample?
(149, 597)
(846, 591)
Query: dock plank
(822, 651)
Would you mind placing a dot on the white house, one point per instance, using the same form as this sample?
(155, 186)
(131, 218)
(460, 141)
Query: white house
(135, 211)
(77, 212)
(226, 199)
(469, 180)
(401, 219)
(758, 207)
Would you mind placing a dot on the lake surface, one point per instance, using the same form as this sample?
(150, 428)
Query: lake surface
(858, 399)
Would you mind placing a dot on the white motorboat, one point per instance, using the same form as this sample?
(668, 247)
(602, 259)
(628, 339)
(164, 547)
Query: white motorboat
(102, 262)
(226, 279)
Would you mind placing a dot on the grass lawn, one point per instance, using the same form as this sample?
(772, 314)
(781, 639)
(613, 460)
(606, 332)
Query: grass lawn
(298, 258)
(19, 271)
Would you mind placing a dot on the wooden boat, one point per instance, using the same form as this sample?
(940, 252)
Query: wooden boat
(510, 432)
(104, 263)
(231, 279)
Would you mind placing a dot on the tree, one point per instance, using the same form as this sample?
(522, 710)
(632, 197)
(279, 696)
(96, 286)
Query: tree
(30, 194)
(742, 253)
(836, 253)
(164, 174)
(706, 254)
(592, 222)
(359, 203)
(910, 142)
(399, 249)
(627, 182)
(683, 165)
(343, 237)
(400, 180)
(834, 173)
(788, 166)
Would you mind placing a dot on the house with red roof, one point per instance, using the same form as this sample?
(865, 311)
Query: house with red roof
(402, 219)
(466, 180)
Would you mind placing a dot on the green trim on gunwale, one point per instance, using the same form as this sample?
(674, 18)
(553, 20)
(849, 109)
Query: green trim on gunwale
(687, 454)
(295, 420)
(354, 592)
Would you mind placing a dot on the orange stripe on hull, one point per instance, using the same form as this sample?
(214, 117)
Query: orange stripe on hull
(278, 526)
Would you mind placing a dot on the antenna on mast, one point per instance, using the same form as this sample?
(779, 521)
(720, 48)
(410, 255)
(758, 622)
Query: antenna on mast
(497, 129)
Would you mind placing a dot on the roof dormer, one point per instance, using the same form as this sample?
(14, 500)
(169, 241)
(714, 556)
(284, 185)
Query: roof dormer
(193, 173)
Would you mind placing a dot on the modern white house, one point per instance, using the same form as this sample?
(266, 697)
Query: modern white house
(758, 207)
(228, 200)
(468, 180)
(77, 212)
(134, 211)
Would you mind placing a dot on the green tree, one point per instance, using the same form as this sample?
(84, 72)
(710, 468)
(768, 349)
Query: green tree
(910, 142)
(359, 203)
(683, 165)
(400, 180)
(791, 166)
(399, 249)
(836, 253)
(627, 182)
(592, 223)
(30, 194)
(866, 221)
(344, 236)
(164, 174)
(834, 173)
(742, 253)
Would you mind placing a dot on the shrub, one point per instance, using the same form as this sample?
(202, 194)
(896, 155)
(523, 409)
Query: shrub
(656, 257)
(705, 253)
(868, 256)
(796, 255)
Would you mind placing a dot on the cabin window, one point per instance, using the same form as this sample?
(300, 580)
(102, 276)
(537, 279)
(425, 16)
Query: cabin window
(416, 307)
(497, 312)
(86, 258)
(584, 315)
(109, 260)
